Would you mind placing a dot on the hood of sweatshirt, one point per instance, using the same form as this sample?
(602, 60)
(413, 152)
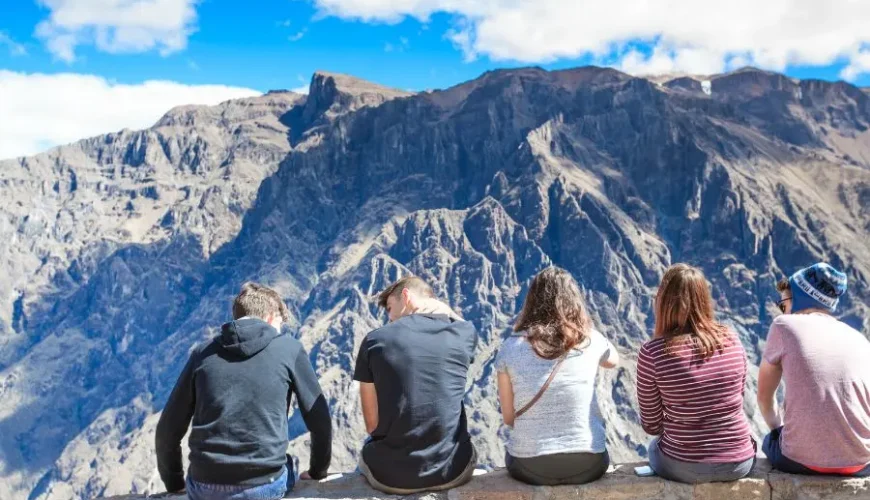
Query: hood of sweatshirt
(246, 337)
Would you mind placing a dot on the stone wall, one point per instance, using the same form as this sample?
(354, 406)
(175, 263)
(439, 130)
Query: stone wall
(619, 484)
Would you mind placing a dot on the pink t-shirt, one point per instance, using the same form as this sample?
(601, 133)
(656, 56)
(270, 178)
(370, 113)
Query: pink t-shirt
(826, 369)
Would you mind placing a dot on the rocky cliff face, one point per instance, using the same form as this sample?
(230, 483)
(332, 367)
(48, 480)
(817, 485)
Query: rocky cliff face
(121, 252)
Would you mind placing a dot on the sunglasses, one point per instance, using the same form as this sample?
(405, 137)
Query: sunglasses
(781, 304)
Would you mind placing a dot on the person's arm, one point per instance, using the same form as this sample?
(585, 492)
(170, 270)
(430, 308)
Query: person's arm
(172, 427)
(769, 377)
(315, 413)
(368, 397)
(649, 398)
(367, 394)
(610, 358)
(506, 398)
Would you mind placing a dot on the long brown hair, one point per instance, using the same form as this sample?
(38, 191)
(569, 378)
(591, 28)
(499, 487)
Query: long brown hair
(684, 312)
(554, 314)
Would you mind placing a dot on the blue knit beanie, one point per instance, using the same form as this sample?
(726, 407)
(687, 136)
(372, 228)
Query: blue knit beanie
(818, 286)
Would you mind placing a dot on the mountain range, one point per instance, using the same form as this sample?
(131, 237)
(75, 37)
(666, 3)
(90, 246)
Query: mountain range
(121, 252)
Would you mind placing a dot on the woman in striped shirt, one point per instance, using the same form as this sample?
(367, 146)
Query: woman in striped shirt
(690, 379)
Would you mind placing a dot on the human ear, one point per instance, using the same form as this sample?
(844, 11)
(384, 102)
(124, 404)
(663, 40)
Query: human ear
(408, 299)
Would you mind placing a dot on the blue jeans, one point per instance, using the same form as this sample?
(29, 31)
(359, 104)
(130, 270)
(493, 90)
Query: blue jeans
(773, 449)
(696, 472)
(274, 490)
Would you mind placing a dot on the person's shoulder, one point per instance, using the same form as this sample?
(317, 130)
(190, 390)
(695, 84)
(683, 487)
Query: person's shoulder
(287, 340)
(388, 334)
(389, 329)
(597, 339)
(652, 347)
(731, 338)
(789, 324)
(512, 347)
(514, 343)
(205, 348)
(286, 347)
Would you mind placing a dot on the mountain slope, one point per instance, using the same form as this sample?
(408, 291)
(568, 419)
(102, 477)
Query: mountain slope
(126, 250)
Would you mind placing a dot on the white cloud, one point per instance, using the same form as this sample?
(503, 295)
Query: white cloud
(664, 60)
(859, 64)
(687, 35)
(48, 110)
(403, 45)
(117, 26)
(15, 48)
(303, 85)
(298, 36)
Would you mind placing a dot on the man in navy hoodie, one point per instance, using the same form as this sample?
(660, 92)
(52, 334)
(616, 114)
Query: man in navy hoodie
(236, 391)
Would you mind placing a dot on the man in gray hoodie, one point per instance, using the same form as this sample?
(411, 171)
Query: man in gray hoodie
(235, 392)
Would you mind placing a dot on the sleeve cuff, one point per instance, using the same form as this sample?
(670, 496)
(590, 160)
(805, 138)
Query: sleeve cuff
(175, 484)
(318, 474)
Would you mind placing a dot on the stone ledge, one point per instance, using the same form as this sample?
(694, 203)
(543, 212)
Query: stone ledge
(620, 483)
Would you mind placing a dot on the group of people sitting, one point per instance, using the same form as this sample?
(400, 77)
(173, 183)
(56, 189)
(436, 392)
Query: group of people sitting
(235, 392)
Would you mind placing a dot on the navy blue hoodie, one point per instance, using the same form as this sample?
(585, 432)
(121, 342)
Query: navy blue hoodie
(235, 392)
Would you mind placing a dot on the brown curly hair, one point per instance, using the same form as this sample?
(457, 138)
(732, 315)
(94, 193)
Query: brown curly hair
(554, 314)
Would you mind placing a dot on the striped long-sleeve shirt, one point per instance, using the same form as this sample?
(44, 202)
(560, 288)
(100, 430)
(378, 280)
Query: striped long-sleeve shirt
(695, 406)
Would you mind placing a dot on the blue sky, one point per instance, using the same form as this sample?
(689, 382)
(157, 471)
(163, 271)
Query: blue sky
(238, 47)
(257, 48)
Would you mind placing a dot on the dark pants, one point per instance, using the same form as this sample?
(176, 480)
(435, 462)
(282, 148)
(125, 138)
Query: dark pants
(463, 478)
(560, 468)
(782, 463)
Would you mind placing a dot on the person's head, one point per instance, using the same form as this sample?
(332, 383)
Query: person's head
(258, 301)
(817, 288)
(405, 296)
(684, 311)
(554, 314)
(784, 302)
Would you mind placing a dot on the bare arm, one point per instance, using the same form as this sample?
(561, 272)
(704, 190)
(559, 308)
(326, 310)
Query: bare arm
(769, 377)
(369, 401)
(506, 398)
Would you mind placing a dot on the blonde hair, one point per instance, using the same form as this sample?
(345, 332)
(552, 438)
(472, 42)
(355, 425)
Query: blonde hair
(260, 302)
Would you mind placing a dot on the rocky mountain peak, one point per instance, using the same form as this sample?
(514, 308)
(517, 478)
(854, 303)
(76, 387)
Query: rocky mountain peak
(333, 94)
(749, 82)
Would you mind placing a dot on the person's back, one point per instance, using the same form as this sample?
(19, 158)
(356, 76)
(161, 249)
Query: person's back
(546, 386)
(826, 369)
(571, 398)
(235, 393)
(418, 366)
(690, 381)
(702, 398)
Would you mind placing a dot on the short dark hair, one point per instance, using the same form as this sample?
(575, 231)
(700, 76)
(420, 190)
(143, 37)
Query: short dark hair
(413, 283)
(783, 285)
(259, 301)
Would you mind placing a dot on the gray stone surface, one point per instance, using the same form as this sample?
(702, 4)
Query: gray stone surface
(118, 253)
(619, 484)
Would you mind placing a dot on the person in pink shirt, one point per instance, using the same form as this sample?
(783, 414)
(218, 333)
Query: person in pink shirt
(824, 425)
